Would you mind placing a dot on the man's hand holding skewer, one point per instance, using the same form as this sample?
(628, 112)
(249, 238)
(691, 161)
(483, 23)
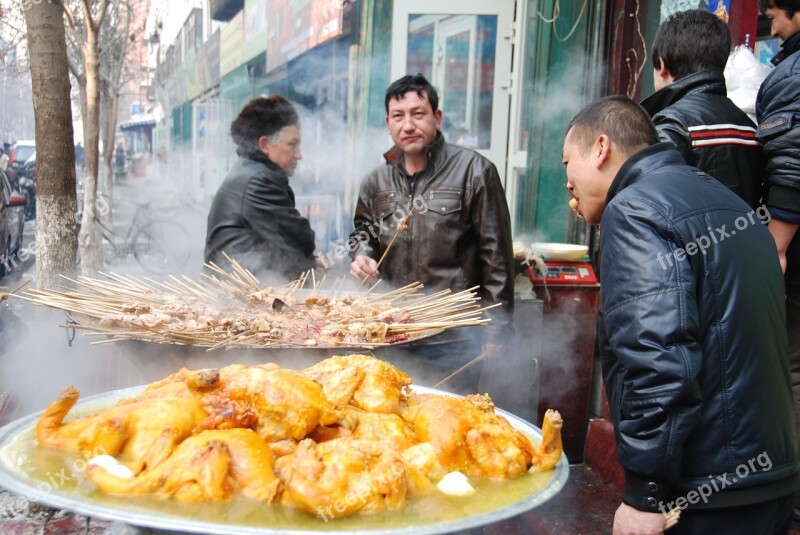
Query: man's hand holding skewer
(630, 521)
(322, 264)
(363, 268)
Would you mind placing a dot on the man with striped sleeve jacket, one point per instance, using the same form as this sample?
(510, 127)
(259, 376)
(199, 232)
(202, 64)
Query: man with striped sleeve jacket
(690, 107)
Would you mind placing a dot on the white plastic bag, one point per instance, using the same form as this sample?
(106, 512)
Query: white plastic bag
(743, 76)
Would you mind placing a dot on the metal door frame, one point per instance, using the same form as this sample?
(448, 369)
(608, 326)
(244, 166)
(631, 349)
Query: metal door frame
(506, 39)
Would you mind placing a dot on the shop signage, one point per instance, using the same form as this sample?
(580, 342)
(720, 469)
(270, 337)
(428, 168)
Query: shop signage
(208, 63)
(295, 26)
(255, 29)
(231, 39)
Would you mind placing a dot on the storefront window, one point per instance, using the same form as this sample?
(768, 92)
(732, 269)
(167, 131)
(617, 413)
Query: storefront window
(457, 54)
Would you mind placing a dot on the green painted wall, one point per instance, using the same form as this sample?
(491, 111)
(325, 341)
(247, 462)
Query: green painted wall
(380, 44)
(186, 131)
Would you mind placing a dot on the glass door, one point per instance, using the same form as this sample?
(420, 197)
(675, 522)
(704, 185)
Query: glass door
(465, 49)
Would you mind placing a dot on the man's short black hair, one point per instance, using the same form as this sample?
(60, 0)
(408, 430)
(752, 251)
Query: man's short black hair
(625, 122)
(262, 116)
(691, 41)
(789, 6)
(412, 82)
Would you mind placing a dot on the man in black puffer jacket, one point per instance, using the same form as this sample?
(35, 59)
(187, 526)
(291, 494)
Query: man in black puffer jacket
(691, 332)
(253, 216)
(691, 109)
(778, 114)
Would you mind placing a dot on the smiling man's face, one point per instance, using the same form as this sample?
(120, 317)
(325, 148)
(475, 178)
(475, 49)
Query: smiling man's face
(781, 25)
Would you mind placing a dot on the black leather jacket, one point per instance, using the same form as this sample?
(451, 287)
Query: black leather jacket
(460, 231)
(254, 220)
(710, 131)
(693, 342)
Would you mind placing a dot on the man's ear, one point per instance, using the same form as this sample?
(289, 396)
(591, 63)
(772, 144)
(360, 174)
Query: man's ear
(601, 151)
(662, 72)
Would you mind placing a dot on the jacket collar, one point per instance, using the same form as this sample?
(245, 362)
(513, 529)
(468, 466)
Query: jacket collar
(260, 157)
(789, 47)
(644, 161)
(709, 81)
(435, 152)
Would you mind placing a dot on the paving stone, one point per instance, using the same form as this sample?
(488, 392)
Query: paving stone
(21, 527)
(66, 523)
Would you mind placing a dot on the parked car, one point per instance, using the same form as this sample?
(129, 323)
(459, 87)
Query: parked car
(12, 223)
(20, 152)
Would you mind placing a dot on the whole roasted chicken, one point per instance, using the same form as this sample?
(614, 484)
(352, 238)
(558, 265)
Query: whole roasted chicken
(360, 380)
(145, 432)
(465, 435)
(343, 477)
(209, 466)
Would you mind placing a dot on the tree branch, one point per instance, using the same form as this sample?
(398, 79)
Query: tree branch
(101, 16)
(70, 16)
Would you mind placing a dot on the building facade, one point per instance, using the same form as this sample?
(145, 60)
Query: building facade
(510, 73)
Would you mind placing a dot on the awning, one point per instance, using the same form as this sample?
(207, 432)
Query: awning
(137, 122)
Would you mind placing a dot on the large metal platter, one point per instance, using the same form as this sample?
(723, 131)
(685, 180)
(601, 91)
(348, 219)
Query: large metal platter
(19, 453)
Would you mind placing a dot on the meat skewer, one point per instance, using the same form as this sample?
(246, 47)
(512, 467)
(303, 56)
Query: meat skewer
(226, 310)
(402, 226)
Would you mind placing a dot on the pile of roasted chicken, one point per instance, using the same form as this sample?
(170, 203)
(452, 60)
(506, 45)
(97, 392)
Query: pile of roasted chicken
(347, 430)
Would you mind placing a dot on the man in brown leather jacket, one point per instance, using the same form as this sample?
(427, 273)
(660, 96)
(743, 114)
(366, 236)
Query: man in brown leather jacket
(459, 232)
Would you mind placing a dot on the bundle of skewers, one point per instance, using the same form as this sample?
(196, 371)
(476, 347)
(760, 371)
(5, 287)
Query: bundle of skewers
(225, 309)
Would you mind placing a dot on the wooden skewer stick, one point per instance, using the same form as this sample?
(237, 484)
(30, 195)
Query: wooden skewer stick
(401, 227)
(462, 368)
(374, 286)
(671, 518)
(5, 293)
(321, 283)
(20, 286)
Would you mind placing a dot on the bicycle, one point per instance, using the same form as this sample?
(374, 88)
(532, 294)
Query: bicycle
(160, 246)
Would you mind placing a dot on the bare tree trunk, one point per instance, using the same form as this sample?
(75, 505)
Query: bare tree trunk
(108, 114)
(56, 228)
(89, 238)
